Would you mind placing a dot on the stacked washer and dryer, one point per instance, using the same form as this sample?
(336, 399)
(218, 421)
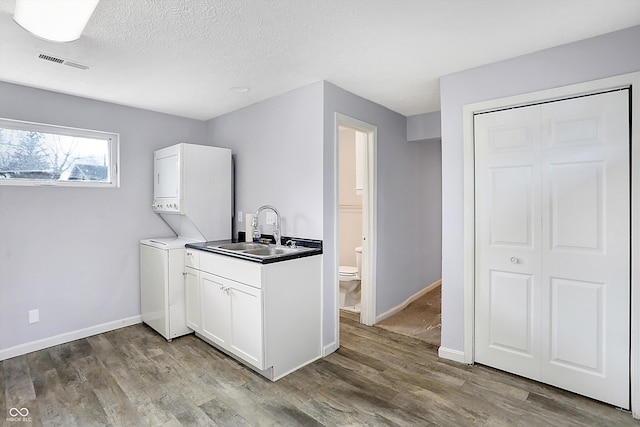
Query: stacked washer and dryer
(193, 193)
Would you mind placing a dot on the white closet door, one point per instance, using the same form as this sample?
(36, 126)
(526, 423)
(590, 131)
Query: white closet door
(508, 240)
(553, 243)
(586, 246)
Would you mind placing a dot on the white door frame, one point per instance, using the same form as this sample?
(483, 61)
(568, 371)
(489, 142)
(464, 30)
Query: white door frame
(633, 80)
(369, 186)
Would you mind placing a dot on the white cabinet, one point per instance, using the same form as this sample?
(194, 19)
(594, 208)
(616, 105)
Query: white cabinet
(232, 317)
(267, 316)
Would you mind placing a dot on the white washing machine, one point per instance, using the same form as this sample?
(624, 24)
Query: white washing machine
(162, 285)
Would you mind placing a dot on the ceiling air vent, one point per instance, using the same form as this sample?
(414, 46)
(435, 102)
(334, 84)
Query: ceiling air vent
(51, 58)
(63, 61)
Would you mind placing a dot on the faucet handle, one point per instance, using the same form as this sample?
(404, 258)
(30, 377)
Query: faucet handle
(291, 243)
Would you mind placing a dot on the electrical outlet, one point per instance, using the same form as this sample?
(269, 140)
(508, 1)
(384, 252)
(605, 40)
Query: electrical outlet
(270, 218)
(240, 217)
(34, 316)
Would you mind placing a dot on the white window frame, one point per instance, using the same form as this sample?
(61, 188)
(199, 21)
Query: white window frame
(113, 156)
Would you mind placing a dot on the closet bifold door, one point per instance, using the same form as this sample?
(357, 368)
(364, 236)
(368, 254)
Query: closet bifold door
(553, 243)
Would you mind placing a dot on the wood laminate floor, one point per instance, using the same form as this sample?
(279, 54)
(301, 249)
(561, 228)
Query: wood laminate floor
(133, 377)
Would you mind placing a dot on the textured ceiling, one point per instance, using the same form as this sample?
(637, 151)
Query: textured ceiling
(183, 57)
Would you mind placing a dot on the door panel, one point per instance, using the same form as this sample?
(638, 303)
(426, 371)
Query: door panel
(553, 244)
(511, 318)
(576, 206)
(575, 130)
(505, 138)
(511, 186)
(577, 334)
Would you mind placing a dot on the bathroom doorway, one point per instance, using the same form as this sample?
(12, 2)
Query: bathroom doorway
(355, 217)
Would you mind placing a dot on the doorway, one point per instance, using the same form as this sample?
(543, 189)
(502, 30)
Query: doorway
(350, 230)
(355, 216)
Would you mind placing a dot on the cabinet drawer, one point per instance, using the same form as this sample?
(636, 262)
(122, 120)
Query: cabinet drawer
(234, 269)
(192, 258)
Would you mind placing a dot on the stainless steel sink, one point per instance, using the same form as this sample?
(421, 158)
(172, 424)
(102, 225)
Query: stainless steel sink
(271, 251)
(257, 250)
(241, 246)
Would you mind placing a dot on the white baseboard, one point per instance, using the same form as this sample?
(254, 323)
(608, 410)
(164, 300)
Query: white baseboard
(330, 348)
(449, 354)
(41, 344)
(408, 301)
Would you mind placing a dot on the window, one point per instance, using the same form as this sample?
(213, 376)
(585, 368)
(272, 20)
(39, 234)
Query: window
(39, 154)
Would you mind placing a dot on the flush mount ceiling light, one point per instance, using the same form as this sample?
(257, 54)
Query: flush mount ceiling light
(54, 20)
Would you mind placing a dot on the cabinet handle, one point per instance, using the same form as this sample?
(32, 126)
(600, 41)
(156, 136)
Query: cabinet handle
(184, 273)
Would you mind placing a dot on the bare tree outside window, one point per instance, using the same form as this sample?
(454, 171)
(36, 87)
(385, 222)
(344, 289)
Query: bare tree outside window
(31, 154)
(21, 152)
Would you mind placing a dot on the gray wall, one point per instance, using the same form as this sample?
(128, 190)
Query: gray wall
(604, 56)
(424, 127)
(277, 150)
(408, 202)
(72, 253)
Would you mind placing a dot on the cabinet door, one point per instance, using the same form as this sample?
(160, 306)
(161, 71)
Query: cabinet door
(215, 308)
(192, 298)
(246, 335)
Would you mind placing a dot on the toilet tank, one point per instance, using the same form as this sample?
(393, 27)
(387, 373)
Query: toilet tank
(359, 260)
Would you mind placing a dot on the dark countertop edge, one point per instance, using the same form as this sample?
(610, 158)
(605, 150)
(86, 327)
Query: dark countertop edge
(307, 243)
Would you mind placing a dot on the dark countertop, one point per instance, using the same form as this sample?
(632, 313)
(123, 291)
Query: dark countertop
(307, 247)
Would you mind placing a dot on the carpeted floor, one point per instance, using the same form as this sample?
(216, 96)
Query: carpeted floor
(421, 319)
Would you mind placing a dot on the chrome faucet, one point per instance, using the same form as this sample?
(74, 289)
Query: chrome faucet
(276, 227)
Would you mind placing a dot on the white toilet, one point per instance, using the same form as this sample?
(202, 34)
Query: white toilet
(350, 283)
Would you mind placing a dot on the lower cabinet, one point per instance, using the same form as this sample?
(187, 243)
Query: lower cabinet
(266, 316)
(232, 317)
